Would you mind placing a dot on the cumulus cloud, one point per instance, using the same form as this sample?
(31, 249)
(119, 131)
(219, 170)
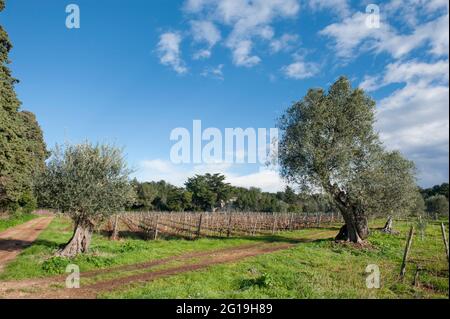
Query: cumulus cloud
(204, 32)
(242, 54)
(300, 70)
(169, 52)
(248, 20)
(408, 72)
(284, 43)
(352, 36)
(415, 117)
(341, 7)
(412, 11)
(156, 170)
(415, 120)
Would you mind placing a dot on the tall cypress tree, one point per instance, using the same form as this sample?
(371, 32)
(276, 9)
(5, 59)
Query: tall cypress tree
(22, 148)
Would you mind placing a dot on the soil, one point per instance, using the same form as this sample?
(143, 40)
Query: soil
(15, 239)
(52, 288)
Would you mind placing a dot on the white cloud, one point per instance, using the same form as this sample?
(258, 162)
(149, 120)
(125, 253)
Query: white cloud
(417, 71)
(433, 33)
(415, 118)
(156, 170)
(370, 83)
(205, 32)
(352, 35)
(341, 7)
(349, 34)
(284, 43)
(248, 20)
(202, 54)
(408, 72)
(242, 54)
(411, 11)
(267, 180)
(169, 52)
(300, 70)
(214, 72)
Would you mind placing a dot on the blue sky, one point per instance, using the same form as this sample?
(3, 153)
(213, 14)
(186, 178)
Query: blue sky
(133, 72)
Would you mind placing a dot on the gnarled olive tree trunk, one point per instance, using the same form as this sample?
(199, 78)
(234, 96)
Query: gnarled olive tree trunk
(356, 228)
(80, 241)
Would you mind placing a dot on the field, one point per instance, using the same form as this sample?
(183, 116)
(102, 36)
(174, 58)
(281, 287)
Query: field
(304, 263)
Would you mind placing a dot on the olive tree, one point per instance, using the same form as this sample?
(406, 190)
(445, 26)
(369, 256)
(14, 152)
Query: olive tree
(437, 205)
(88, 183)
(328, 144)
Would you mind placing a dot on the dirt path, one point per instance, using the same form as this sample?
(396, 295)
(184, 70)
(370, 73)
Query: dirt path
(142, 272)
(15, 239)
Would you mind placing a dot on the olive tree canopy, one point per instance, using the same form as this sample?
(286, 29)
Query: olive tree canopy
(328, 144)
(88, 183)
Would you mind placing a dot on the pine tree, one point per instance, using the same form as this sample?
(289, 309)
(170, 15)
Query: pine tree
(22, 148)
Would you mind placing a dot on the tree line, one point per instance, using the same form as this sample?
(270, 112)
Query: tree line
(436, 200)
(210, 192)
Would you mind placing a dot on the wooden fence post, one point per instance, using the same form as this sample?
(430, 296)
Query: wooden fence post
(229, 225)
(274, 226)
(255, 224)
(115, 231)
(416, 282)
(155, 233)
(444, 237)
(405, 255)
(199, 225)
(291, 221)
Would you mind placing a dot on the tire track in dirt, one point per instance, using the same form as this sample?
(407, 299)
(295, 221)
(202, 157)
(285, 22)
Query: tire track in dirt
(46, 282)
(93, 290)
(41, 288)
(15, 239)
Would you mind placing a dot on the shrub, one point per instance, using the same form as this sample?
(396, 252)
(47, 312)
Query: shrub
(129, 246)
(263, 281)
(55, 265)
(28, 203)
(97, 261)
(437, 205)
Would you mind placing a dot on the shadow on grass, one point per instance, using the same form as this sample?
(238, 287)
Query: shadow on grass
(14, 244)
(267, 238)
(280, 239)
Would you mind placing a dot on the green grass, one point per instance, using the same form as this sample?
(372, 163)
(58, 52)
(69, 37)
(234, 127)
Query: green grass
(15, 220)
(320, 269)
(37, 261)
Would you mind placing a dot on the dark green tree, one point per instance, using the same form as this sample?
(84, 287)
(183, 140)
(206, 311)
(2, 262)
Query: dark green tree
(161, 196)
(179, 200)
(442, 189)
(146, 194)
(328, 144)
(209, 191)
(437, 205)
(22, 148)
(418, 206)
